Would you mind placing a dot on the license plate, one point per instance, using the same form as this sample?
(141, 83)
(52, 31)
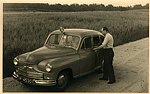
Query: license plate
(27, 80)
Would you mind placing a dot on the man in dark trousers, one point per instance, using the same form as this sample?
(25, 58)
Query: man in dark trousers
(107, 45)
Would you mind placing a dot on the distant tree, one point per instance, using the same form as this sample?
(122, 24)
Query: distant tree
(102, 5)
(129, 7)
(93, 7)
(58, 7)
(68, 8)
(120, 8)
(74, 7)
(146, 6)
(138, 6)
(109, 7)
(84, 7)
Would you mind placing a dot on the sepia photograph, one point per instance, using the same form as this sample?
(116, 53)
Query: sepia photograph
(75, 46)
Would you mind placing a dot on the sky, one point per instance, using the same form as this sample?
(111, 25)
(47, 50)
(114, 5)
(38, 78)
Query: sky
(105, 2)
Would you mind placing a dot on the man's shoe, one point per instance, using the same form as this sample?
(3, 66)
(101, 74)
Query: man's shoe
(103, 79)
(111, 82)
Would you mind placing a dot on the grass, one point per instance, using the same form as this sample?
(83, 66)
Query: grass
(26, 31)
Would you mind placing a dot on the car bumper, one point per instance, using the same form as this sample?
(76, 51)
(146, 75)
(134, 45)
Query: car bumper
(32, 81)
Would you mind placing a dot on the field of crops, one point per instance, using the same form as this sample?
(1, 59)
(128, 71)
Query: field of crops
(26, 31)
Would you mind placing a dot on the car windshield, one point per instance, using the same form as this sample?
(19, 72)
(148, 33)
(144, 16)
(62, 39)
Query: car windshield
(63, 40)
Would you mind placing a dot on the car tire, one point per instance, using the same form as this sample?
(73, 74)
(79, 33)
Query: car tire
(63, 81)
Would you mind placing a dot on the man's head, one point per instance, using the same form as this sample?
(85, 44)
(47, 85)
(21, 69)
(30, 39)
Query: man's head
(104, 30)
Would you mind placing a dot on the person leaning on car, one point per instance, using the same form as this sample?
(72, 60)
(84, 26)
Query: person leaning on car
(107, 45)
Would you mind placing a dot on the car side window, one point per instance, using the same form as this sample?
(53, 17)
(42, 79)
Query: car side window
(86, 43)
(97, 41)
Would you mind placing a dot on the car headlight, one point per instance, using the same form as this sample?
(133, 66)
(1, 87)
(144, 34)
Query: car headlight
(48, 67)
(16, 61)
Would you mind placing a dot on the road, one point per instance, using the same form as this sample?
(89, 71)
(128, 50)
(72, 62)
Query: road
(131, 65)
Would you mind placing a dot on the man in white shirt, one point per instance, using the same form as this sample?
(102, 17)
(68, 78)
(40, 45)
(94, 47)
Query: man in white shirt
(107, 45)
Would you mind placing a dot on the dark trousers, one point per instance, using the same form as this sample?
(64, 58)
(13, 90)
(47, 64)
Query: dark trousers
(108, 69)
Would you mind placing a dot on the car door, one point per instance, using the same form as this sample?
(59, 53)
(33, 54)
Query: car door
(97, 41)
(87, 56)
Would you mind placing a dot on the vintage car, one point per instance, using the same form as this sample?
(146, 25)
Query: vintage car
(66, 54)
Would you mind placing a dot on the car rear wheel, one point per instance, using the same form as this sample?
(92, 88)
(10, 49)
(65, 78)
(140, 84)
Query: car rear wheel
(62, 81)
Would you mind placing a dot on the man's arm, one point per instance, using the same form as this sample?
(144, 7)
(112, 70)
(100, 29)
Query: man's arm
(106, 39)
(101, 46)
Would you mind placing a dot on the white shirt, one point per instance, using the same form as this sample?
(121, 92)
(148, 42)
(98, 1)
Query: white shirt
(108, 41)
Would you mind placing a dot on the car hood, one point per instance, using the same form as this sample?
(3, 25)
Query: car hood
(43, 53)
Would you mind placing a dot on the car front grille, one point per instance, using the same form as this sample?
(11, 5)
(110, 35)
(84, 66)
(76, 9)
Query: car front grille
(29, 72)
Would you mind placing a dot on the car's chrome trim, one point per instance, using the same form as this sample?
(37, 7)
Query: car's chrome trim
(34, 81)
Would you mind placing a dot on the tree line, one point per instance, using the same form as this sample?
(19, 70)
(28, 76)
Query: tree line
(45, 7)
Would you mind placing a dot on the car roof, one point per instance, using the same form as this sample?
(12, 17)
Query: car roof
(79, 32)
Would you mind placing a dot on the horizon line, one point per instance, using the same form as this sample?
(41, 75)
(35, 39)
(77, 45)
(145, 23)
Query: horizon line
(80, 3)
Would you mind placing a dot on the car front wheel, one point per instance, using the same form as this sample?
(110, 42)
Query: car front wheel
(62, 81)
